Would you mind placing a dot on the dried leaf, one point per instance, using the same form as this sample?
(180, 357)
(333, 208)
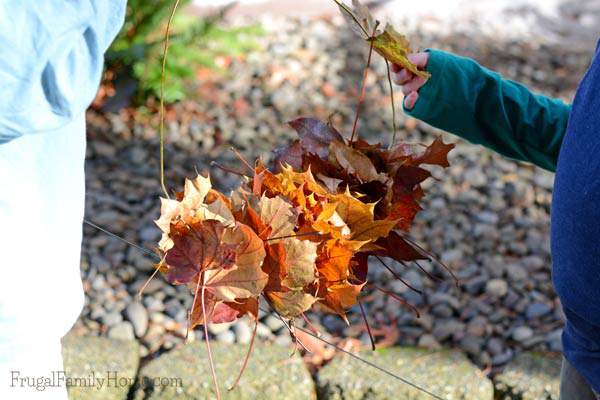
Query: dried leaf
(300, 256)
(395, 48)
(291, 304)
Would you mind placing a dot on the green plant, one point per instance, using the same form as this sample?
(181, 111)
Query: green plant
(194, 42)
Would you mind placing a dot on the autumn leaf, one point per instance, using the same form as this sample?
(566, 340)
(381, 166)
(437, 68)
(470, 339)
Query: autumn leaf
(391, 45)
(435, 154)
(315, 135)
(333, 262)
(300, 256)
(279, 215)
(291, 304)
(359, 217)
(340, 297)
(356, 163)
(197, 249)
(395, 48)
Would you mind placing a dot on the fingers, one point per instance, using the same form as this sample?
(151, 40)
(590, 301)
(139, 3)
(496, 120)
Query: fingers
(413, 85)
(402, 77)
(411, 100)
(419, 59)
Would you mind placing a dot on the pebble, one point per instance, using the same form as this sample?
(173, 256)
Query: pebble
(522, 333)
(496, 287)
(111, 318)
(123, 330)
(487, 217)
(243, 332)
(537, 310)
(226, 337)
(138, 316)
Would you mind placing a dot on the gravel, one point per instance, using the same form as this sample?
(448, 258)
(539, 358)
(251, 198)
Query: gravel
(487, 217)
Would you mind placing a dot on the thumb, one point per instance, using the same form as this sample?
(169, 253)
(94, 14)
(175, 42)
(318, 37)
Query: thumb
(411, 100)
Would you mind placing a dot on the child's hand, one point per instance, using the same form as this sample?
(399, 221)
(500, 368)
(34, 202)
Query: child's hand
(410, 82)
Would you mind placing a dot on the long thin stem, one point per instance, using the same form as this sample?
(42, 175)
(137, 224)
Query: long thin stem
(434, 258)
(311, 326)
(141, 291)
(293, 236)
(364, 86)
(364, 315)
(243, 160)
(397, 276)
(227, 169)
(209, 351)
(162, 100)
(394, 126)
(399, 299)
(237, 381)
(351, 14)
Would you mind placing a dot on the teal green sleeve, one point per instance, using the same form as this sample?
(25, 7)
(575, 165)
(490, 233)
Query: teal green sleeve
(470, 101)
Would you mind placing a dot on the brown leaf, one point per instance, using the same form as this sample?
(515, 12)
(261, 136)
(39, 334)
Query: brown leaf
(315, 135)
(300, 256)
(435, 154)
(355, 163)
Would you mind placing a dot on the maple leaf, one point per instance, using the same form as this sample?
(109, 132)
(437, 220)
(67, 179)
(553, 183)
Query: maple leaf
(277, 214)
(356, 163)
(300, 256)
(395, 48)
(192, 207)
(315, 135)
(292, 303)
(359, 217)
(340, 297)
(333, 262)
(435, 154)
(391, 45)
(198, 248)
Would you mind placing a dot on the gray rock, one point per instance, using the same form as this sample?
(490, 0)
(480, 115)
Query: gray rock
(496, 287)
(273, 323)
(226, 337)
(446, 328)
(537, 310)
(111, 318)
(271, 374)
(123, 331)
(138, 316)
(428, 342)
(522, 333)
(530, 376)
(448, 374)
(243, 332)
(105, 358)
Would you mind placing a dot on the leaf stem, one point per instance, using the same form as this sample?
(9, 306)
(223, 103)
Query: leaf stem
(394, 126)
(237, 381)
(162, 100)
(209, 351)
(364, 315)
(398, 276)
(364, 86)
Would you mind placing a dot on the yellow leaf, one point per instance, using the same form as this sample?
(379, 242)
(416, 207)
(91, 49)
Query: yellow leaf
(291, 304)
(359, 217)
(395, 48)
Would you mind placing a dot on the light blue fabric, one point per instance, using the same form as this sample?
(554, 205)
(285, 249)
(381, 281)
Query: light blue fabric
(51, 59)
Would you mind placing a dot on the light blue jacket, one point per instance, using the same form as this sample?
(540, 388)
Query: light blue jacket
(51, 59)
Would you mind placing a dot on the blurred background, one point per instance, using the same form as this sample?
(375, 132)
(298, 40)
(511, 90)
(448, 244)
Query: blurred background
(237, 72)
